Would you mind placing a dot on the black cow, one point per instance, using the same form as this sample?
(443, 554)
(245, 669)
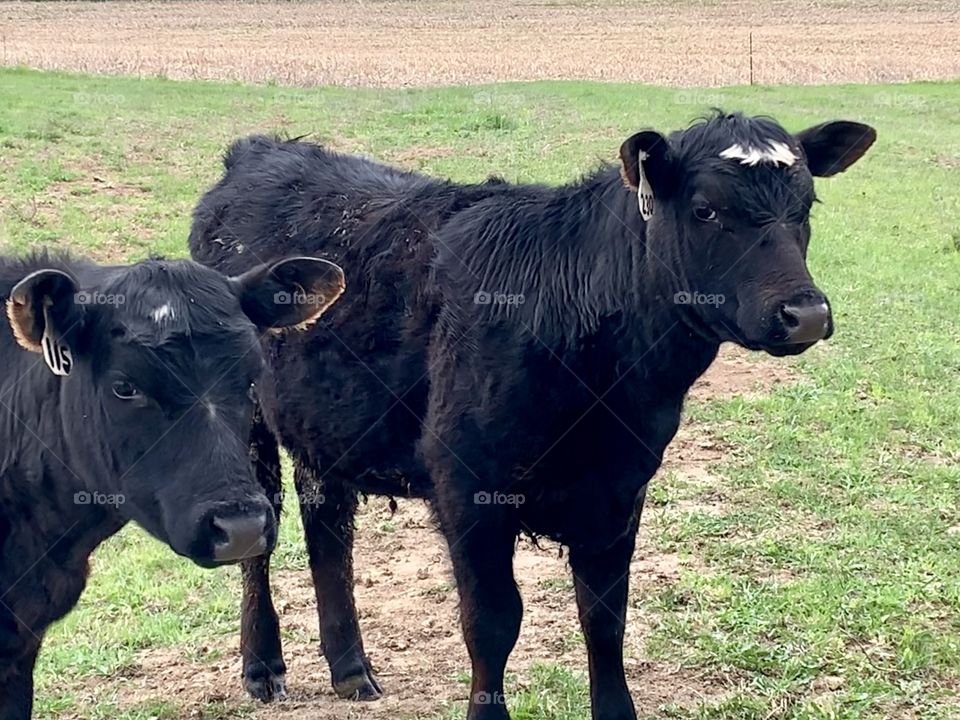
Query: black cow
(126, 394)
(517, 354)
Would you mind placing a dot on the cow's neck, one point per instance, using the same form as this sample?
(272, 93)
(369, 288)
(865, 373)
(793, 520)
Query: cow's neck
(46, 524)
(649, 327)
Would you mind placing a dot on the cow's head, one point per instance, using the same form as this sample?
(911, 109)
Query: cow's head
(158, 364)
(727, 204)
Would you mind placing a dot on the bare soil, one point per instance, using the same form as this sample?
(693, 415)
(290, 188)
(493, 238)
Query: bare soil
(397, 43)
(408, 606)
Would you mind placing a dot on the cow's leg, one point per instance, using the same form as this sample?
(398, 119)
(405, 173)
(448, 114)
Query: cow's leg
(481, 543)
(328, 510)
(16, 686)
(264, 672)
(601, 579)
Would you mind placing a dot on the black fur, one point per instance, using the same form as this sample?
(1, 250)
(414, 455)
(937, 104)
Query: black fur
(525, 345)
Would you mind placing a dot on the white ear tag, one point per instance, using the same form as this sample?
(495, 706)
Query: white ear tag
(56, 353)
(645, 191)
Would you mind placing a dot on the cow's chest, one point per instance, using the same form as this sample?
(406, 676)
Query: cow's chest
(588, 489)
(43, 590)
(43, 565)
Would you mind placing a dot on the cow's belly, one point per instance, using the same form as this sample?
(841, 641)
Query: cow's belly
(356, 418)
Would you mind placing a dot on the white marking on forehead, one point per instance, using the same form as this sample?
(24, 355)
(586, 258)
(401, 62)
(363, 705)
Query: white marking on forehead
(162, 313)
(775, 153)
(211, 409)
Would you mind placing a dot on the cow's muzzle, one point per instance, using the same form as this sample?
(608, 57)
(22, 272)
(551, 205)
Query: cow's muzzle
(807, 321)
(228, 534)
(243, 537)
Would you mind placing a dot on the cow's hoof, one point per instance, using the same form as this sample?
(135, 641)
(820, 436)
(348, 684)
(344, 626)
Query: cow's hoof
(363, 686)
(264, 684)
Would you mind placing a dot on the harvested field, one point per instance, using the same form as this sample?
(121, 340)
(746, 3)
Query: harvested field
(394, 43)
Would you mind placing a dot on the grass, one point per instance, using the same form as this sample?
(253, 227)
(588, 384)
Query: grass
(829, 581)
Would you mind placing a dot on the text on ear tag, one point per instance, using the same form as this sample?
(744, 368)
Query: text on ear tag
(644, 191)
(56, 353)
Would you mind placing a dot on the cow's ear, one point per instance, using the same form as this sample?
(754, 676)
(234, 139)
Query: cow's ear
(292, 293)
(834, 146)
(44, 316)
(647, 166)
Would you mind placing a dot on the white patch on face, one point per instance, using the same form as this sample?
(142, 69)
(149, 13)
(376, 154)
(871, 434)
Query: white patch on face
(775, 153)
(162, 313)
(211, 409)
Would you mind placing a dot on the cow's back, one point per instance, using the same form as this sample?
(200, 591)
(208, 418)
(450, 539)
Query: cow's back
(364, 364)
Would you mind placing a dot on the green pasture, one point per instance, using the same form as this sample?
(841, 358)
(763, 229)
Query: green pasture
(831, 581)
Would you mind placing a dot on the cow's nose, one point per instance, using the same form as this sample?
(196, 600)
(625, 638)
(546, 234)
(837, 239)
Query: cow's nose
(805, 322)
(237, 537)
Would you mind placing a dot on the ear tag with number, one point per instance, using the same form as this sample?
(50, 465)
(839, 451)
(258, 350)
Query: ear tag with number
(645, 191)
(56, 353)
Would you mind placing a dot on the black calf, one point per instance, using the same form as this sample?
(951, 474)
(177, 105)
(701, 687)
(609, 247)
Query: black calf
(127, 394)
(518, 354)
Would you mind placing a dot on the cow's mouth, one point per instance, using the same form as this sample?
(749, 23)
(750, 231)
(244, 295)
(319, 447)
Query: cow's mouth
(788, 349)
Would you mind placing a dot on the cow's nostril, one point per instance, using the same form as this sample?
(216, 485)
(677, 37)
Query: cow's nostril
(805, 323)
(789, 316)
(238, 537)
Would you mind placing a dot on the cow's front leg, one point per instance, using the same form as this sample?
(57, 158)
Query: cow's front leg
(264, 672)
(16, 685)
(481, 542)
(328, 511)
(601, 579)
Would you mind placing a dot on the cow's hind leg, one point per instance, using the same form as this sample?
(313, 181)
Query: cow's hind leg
(328, 510)
(601, 580)
(264, 672)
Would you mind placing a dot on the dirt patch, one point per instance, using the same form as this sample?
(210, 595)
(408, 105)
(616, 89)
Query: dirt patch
(394, 43)
(739, 373)
(408, 611)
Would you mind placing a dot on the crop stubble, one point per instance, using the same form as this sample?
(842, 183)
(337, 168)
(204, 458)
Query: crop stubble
(396, 43)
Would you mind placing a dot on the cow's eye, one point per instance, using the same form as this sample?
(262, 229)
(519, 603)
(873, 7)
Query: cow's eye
(125, 390)
(705, 213)
(252, 392)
